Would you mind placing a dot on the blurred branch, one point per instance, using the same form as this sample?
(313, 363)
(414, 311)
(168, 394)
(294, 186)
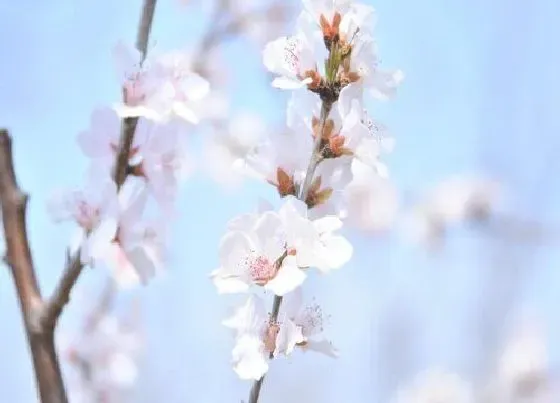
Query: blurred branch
(218, 32)
(52, 309)
(129, 124)
(41, 317)
(74, 266)
(18, 257)
(104, 305)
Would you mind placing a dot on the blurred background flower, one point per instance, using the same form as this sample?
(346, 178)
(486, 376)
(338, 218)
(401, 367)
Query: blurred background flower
(480, 98)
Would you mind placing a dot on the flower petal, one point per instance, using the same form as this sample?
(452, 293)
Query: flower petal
(288, 278)
(249, 360)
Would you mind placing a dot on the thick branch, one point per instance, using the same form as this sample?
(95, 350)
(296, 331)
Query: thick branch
(14, 203)
(18, 257)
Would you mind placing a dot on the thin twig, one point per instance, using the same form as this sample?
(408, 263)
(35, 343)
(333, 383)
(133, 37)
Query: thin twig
(217, 34)
(53, 308)
(313, 162)
(128, 126)
(316, 155)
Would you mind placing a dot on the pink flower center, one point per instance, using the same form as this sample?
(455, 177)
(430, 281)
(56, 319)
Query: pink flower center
(291, 54)
(133, 90)
(170, 161)
(312, 320)
(261, 270)
(86, 215)
(270, 335)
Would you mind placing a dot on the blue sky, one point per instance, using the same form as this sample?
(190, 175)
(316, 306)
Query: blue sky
(481, 94)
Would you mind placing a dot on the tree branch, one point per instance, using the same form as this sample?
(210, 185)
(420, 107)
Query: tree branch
(40, 318)
(74, 266)
(129, 124)
(18, 257)
(52, 309)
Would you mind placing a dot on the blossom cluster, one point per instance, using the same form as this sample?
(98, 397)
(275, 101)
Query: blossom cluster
(159, 100)
(522, 373)
(329, 65)
(456, 200)
(103, 356)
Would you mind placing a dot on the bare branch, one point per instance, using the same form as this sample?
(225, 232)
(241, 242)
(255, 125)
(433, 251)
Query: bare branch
(219, 32)
(18, 257)
(14, 203)
(61, 295)
(145, 26)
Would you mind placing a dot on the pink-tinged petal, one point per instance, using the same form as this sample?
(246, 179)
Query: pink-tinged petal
(100, 239)
(77, 241)
(249, 359)
(229, 285)
(145, 263)
(292, 304)
(288, 336)
(127, 58)
(98, 141)
(264, 206)
(327, 224)
(288, 278)
(93, 146)
(126, 111)
(133, 196)
(383, 84)
(249, 317)
(57, 205)
(382, 170)
(347, 95)
(323, 346)
(267, 234)
(234, 248)
(195, 87)
(337, 252)
(123, 369)
(243, 222)
(286, 83)
(123, 271)
(293, 208)
(183, 111)
(272, 53)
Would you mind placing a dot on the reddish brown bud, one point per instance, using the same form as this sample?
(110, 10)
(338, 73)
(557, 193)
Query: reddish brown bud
(285, 183)
(315, 76)
(336, 143)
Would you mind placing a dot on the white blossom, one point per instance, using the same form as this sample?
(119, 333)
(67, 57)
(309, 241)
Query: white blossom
(160, 87)
(257, 338)
(292, 59)
(276, 249)
(436, 386)
(95, 209)
(370, 202)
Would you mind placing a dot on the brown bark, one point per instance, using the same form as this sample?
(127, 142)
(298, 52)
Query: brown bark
(41, 316)
(18, 257)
